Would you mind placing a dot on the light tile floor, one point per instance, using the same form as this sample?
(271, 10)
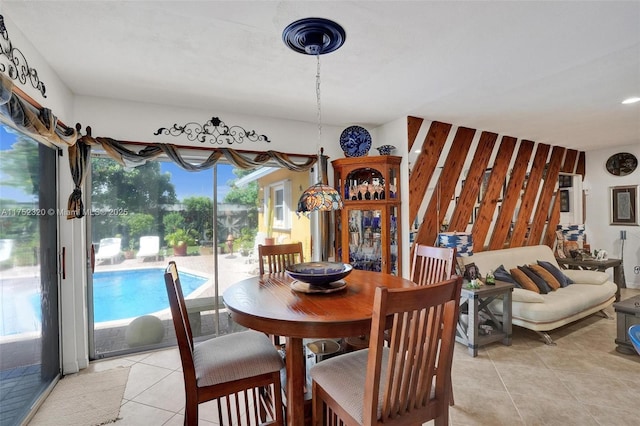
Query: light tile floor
(581, 381)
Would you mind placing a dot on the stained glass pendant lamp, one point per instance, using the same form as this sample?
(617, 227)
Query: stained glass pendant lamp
(316, 36)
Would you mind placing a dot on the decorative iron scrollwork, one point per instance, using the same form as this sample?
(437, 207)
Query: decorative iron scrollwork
(213, 131)
(17, 67)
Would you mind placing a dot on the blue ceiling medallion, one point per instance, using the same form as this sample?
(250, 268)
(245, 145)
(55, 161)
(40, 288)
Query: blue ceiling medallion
(314, 36)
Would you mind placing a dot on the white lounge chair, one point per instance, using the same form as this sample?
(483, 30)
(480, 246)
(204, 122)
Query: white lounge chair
(149, 247)
(6, 248)
(110, 249)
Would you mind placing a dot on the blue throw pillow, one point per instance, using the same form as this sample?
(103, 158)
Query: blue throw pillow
(502, 274)
(539, 282)
(562, 278)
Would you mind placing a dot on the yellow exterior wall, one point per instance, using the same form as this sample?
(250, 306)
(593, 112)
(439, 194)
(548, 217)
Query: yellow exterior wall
(300, 226)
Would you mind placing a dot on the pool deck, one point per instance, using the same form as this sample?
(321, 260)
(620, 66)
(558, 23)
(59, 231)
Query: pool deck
(231, 268)
(111, 339)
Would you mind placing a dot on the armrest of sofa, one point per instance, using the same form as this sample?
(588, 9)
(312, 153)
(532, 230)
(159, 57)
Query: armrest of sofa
(586, 277)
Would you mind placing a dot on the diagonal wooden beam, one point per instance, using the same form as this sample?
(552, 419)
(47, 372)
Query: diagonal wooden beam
(521, 226)
(425, 165)
(469, 194)
(445, 187)
(511, 196)
(413, 127)
(545, 196)
(496, 181)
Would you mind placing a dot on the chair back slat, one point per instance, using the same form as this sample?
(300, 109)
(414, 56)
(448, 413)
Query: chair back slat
(431, 264)
(181, 323)
(419, 355)
(278, 257)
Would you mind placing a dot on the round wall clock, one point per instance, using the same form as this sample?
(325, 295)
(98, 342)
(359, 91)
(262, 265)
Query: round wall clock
(622, 164)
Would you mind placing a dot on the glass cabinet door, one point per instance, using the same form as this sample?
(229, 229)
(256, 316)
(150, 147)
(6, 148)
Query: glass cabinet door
(394, 211)
(365, 239)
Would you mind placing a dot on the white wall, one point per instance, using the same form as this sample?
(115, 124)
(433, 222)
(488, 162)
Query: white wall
(600, 234)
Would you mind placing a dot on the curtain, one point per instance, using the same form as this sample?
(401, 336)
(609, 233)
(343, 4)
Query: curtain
(33, 120)
(78, 161)
(244, 160)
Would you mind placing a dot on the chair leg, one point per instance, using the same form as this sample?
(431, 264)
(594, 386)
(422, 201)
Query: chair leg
(191, 411)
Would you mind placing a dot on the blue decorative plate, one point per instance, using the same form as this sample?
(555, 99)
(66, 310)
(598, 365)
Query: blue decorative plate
(355, 141)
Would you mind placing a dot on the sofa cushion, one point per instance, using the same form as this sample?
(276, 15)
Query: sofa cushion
(542, 285)
(587, 277)
(524, 281)
(562, 278)
(546, 276)
(526, 296)
(561, 303)
(502, 274)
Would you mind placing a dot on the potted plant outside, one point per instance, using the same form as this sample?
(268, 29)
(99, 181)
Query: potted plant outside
(180, 239)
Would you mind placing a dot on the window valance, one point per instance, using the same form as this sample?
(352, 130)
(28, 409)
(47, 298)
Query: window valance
(31, 119)
(241, 159)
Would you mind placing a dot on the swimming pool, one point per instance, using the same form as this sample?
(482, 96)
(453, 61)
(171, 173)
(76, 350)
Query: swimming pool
(131, 293)
(117, 295)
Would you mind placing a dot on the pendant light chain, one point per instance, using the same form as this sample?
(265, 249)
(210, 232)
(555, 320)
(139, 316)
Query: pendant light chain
(318, 103)
(324, 36)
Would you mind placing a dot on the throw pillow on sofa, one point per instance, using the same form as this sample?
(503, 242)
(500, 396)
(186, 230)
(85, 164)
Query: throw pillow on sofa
(524, 281)
(562, 278)
(502, 274)
(546, 276)
(539, 282)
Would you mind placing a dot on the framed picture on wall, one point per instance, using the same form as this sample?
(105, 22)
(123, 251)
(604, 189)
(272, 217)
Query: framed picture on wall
(564, 201)
(624, 205)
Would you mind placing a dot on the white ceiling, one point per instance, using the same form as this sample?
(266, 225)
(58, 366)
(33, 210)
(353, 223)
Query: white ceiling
(552, 72)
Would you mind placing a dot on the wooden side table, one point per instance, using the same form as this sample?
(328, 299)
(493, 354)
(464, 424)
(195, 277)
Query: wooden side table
(478, 301)
(598, 265)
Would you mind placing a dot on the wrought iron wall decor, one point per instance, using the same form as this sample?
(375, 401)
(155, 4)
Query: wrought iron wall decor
(213, 131)
(17, 67)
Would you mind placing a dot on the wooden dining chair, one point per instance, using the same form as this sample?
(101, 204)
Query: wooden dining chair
(407, 382)
(240, 370)
(277, 257)
(431, 264)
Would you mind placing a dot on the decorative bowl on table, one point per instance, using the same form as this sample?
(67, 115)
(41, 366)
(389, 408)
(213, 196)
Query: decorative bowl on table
(319, 273)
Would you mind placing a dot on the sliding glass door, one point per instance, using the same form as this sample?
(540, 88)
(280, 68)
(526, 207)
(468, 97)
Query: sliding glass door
(144, 217)
(29, 328)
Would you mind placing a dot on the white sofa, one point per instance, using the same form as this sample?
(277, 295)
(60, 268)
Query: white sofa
(591, 292)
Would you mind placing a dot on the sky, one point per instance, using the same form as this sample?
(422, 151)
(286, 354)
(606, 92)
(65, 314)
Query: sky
(187, 184)
(193, 184)
(7, 138)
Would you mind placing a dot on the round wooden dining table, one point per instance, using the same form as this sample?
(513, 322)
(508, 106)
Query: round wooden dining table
(267, 303)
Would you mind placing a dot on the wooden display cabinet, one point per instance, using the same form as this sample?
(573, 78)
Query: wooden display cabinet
(368, 226)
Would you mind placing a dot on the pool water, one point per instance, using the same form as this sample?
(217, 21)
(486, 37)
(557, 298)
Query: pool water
(117, 295)
(129, 294)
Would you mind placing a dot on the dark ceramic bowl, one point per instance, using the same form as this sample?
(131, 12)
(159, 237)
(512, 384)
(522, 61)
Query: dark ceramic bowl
(385, 149)
(319, 273)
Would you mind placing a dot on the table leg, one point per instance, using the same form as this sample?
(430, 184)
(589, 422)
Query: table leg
(506, 318)
(295, 381)
(472, 330)
(618, 278)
